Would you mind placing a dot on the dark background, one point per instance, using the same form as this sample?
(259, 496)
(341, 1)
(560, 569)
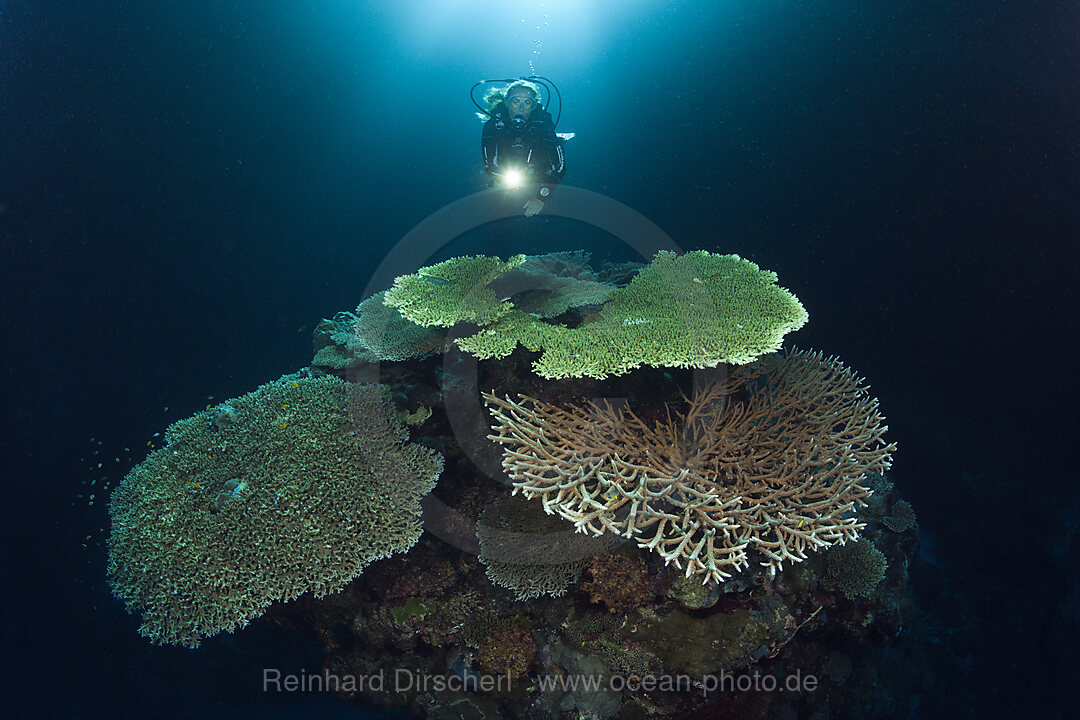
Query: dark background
(186, 188)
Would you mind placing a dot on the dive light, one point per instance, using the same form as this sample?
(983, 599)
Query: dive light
(512, 178)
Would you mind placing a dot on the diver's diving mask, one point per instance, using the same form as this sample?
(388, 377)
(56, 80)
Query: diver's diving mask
(523, 103)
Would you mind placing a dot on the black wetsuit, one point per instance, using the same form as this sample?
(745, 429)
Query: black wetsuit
(531, 146)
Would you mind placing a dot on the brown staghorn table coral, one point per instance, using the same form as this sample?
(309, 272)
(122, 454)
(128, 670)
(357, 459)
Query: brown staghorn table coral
(768, 459)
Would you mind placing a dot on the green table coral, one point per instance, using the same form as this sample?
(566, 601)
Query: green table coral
(693, 310)
(309, 481)
(453, 291)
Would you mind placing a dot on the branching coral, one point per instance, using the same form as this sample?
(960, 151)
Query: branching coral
(768, 459)
(855, 569)
(381, 333)
(311, 481)
(901, 518)
(532, 553)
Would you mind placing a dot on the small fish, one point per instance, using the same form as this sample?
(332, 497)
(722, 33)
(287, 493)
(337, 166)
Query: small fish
(294, 383)
(284, 425)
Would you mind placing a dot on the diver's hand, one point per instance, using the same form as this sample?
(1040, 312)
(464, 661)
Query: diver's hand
(534, 206)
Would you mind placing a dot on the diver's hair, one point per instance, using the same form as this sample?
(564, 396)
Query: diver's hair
(497, 95)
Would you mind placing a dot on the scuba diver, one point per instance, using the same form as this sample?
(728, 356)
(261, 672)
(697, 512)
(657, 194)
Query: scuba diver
(519, 144)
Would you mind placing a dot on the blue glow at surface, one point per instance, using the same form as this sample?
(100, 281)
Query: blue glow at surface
(402, 66)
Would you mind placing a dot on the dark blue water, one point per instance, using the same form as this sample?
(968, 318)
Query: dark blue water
(187, 187)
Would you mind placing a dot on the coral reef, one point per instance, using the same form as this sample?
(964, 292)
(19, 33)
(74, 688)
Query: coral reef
(685, 504)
